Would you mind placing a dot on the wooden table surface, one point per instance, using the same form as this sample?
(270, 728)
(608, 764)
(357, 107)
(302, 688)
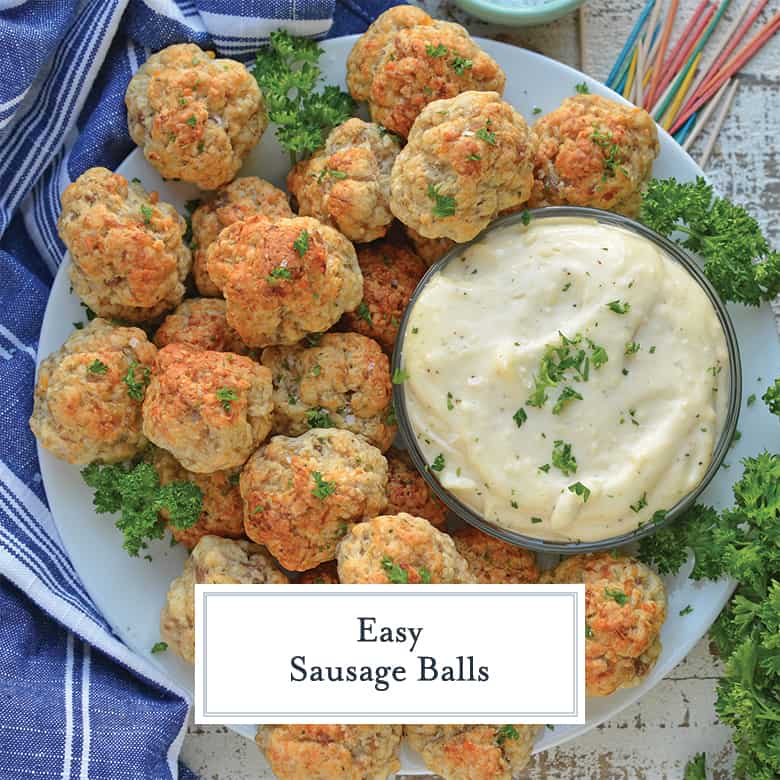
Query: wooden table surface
(654, 738)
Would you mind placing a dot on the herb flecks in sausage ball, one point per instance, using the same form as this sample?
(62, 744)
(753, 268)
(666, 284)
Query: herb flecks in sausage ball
(195, 117)
(331, 752)
(468, 158)
(86, 408)
(625, 608)
(242, 198)
(341, 382)
(406, 60)
(223, 510)
(399, 549)
(409, 493)
(474, 752)
(210, 410)
(346, 184)
(302, 495)
(284, 280)
(492, 561)
(390, 274)
(200, 323)
(213, 561)
(594, 152)
(129, 261)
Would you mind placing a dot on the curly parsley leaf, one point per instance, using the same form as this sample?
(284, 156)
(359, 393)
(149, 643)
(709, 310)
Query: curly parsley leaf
(137, 383)
(696, 768)
(772, 397)
(738, 259)
(322, 488)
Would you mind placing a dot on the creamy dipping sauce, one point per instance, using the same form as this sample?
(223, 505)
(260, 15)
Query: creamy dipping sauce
(566, 380)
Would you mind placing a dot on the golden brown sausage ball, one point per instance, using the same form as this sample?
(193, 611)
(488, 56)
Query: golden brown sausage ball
(492, 561)
(346, 184)
(223, 510)
(399, 549)
(474, 752)
(195, 117)
(128, 258)
(330, 752)
(210, 410)
(429, 249)
(390, 274)
(301, 495)
(201, 323)
(467, 159)
(213, 561)
(84, 410)
(408, 492)
(284, 280)
(406, 60)
(625, 608)
(342, 382)
(594, 152)
(324, 574)
(245, 197)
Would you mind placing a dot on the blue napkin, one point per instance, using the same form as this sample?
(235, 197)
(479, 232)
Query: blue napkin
(74, 701)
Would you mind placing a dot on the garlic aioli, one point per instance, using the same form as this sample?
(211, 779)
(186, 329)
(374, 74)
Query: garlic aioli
(566, 379)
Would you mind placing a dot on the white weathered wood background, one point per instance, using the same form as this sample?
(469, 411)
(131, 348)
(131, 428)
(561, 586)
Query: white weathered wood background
(654, 738)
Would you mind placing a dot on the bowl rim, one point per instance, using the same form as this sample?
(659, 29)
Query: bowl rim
(678, 254)
(529, 15)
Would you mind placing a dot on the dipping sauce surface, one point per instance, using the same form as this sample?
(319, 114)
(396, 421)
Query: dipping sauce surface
(566, 380)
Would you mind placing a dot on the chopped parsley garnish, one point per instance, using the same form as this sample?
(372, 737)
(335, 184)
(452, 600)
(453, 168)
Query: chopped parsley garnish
(364, 312)
(612, 153)
(474, 157)
(279, 273)
(545, 467)
(505, 733)
(582, 88)
(191, 121)
(334, 174)
(639, 505)
(616, 595)
(562, 458)
(322, 489)
(318, 418)
(686, 611)
(390, 418)
(486, 135)
(301, 244)
(567, 395)
(632, 347)
(751, 399)
(619, 307)
(316, 369)
(425, 575)
(399, 376)
(146, 213)
(136, 386)
(459, 64)
(258, 509)
(536, 519)
(159, 647)
(525, 217)
(566, 287)
(99, 367)
(226, 396)
(450, 402)
(579, 489)
(438, 463)
(588, 631)
(394, 573)
(443, 205)
(439, 50)
(514, 504)
(536, 110)
(520, 416)
(652, 350)
(772, 399)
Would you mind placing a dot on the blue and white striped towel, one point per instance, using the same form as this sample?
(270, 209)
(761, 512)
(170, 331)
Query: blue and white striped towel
(74, 701)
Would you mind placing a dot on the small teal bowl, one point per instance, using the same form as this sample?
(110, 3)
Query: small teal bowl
(518, 13)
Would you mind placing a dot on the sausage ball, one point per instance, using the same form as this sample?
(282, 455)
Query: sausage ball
(408, 492)
(594, 152)
(400, 549)
(242, 198)
(346, 184)
(195, 117)
(429, 249)
(474, 752)
(329, 752)
(342, 382)
(213, 561)
(390, 274)
(324, 574)
(84, 409)
(406, 60)
(285, 279)
(468, 158)
(210, 410)
(301, 495)
(223, 510)
(625, 608)
(201, 323)
(129, 261)
(492, 561)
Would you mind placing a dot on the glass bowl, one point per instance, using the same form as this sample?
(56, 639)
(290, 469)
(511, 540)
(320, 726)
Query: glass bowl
(677, 254)
(517, 13)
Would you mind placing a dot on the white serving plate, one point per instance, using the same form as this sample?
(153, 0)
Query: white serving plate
(131, 591)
